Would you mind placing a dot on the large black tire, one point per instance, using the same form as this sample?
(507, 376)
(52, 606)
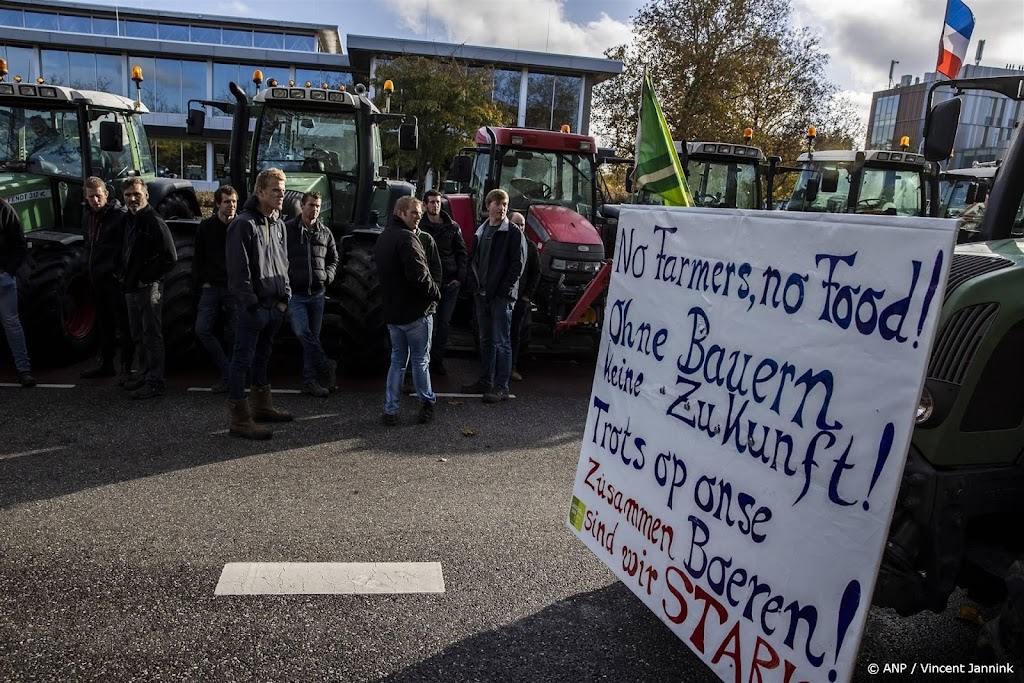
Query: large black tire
(364, 345)
(175, 206)
(180, 302)
(57, 310)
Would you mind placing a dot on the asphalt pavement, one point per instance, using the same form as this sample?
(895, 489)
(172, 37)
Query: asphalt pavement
(117, 518)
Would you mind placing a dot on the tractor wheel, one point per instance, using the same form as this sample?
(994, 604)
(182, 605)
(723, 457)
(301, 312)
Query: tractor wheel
(364, 343)
(175, 206)
(57, 309)
(180, 303)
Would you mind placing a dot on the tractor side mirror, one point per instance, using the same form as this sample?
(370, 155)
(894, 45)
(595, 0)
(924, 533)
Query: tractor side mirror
(629, 178)
(409, 137)
(195, 123)
(829, 181)
(812, 190)
(461, 169)
(111, 136)
(940, 129)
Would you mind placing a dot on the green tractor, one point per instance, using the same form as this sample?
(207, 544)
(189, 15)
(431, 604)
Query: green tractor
(327, 141)
(958, 516)
(876, 182)
(51, 139)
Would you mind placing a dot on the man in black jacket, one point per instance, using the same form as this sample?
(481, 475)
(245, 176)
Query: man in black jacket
(12, 252)
(521, 318)
(447, 235)
(257, 262)
(410, 298)
(499, 252)
(312, 263)
(147, 254)
(210, 278)
(103, 228)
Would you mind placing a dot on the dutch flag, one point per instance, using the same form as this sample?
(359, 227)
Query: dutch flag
(956, 36)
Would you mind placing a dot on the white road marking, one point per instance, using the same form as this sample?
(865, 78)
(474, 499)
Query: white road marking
(273, 391)
(39, 386)
(317, 417)
(329, 578)
(7, 456)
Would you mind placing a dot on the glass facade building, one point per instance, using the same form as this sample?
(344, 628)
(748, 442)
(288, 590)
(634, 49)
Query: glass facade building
(185, 58)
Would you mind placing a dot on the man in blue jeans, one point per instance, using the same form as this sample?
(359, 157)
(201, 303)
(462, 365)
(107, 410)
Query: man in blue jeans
(312, 264)
(210, 278)
(499, 252)
(257, 263)
(410, 297)
(447, 235)
(12, 252)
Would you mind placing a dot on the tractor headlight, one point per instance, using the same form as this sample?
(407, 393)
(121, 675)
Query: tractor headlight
(925, 407)
(558, 264)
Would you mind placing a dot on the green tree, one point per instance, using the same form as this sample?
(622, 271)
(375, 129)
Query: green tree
(449, 99)
(720, 66)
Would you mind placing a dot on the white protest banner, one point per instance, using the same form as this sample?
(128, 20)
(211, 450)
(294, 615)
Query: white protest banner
(752, 408)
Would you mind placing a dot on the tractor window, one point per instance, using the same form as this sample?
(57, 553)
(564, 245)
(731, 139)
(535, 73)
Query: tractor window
(109, 165)
(547, 178)
(308, 141)
(723, 184)
(142, 144)
(890, 192)
(45, 141)
(820, 201)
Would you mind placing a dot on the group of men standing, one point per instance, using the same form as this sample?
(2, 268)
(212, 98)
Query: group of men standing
(414, 298)
(251, 268)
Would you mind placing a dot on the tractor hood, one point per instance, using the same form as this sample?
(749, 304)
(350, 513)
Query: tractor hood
(563, 225)
(31, 195)
(308, 182)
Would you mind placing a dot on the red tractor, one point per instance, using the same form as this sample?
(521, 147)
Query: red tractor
(551, 178)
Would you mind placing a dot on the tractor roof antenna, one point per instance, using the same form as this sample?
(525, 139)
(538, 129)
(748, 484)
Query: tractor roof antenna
(892, 67)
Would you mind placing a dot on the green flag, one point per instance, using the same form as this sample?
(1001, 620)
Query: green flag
(657, 165)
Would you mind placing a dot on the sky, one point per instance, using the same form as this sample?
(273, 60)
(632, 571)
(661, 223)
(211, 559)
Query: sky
(860, 37)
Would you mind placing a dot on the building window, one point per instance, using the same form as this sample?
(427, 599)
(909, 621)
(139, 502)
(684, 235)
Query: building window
(241, 74)
(205, 34)
(12, 18)
(299, 43)
(268, 41)
(140, 29)
(72, 23)
(316, 78)
(884, 127)
(239, 38)
(55, 68)
(170, 83)
(179, 159)
(41, 21)
(20, 62)
(506, 91)
(104, 27)
(174, 32)
(552, 101)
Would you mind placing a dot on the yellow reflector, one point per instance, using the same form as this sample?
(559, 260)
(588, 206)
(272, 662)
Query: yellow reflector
(589, 316)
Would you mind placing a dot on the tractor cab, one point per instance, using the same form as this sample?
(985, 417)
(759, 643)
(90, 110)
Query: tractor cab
(724, 175)
(879, 182)
(551, 178)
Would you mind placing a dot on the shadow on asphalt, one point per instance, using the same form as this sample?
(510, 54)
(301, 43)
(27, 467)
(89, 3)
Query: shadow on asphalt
(569, 641)
(56, 442)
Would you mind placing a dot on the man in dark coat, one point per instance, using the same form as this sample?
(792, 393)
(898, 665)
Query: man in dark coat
(103, 228)
(499, 252)
(12, 252)
(312, 264)
(521, 318)
(257, 262)
(410, 299)
(210, 279)
(147, 255)
(447, 235)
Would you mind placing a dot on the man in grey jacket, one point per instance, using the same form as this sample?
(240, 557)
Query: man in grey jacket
(257, 265)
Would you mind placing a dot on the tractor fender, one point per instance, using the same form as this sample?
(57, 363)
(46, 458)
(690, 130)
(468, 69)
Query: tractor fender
(460, 208)
(161, 189)
(51, 238)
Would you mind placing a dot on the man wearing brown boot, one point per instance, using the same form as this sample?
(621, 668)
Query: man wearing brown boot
(257, 265)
